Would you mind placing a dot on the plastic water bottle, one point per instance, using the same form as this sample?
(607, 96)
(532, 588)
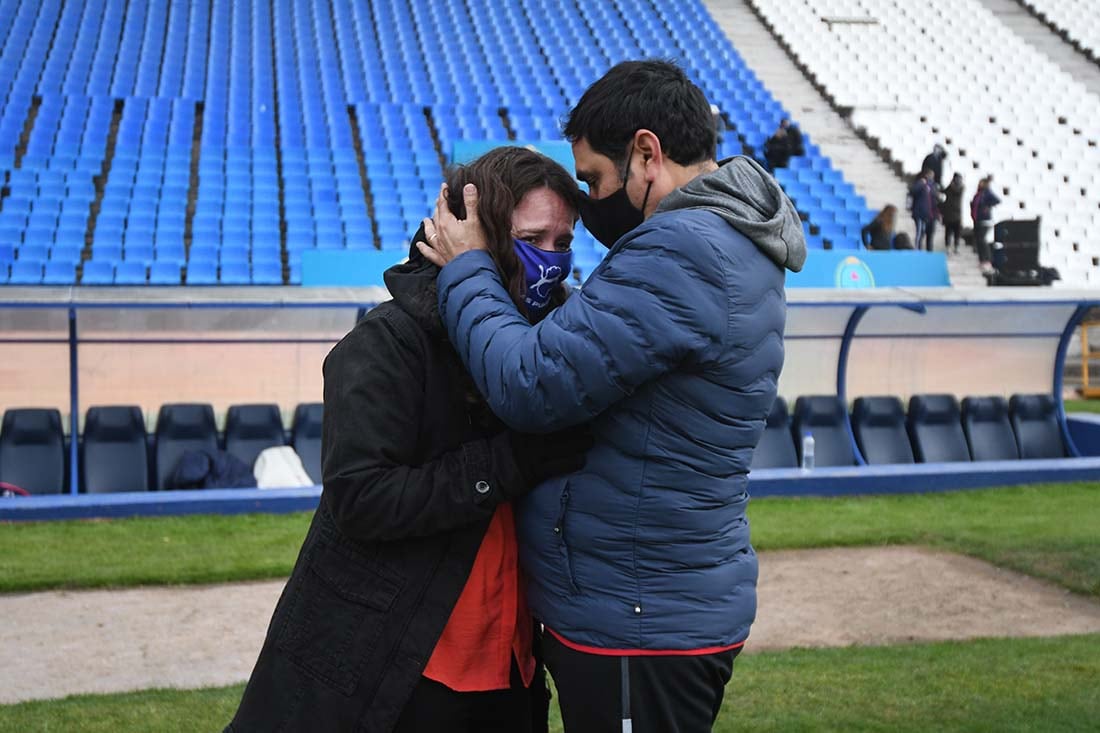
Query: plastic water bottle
(807, 451)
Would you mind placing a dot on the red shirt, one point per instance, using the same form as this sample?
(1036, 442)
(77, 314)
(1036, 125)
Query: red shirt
(490, 624)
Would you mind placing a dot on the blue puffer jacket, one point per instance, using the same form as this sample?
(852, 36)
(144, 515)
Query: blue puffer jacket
(672, 348)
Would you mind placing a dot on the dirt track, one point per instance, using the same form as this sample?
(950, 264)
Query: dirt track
(60, 643)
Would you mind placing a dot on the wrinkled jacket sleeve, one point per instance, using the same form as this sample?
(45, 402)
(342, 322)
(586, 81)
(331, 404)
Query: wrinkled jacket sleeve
(373, 483)
(656, 302)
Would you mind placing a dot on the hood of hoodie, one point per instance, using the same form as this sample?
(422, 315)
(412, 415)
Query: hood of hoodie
(412, 286)
(750, 199)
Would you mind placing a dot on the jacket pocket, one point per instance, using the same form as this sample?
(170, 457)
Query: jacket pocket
(335, 616)
(563, 543)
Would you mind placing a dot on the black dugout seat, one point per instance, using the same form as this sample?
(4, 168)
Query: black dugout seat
(935, 429)
(116, 456)
(32, 450)
(181, 428)
(1035, 424)
(305, 436)
(776, 446)
(988, 431)
(825, 417)
(249, 429)
(879, 427)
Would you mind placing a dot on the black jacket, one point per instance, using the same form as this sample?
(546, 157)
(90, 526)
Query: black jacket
(952, 203)
(414, 466)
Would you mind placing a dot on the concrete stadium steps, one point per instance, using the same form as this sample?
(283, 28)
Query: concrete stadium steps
(873, 178)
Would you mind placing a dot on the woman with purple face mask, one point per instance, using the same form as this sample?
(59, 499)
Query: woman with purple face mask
(406, 610)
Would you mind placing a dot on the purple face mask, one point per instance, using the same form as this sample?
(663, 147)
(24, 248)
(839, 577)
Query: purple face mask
(543, 271)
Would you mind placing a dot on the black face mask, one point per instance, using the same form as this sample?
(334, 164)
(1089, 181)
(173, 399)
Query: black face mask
(610, 218)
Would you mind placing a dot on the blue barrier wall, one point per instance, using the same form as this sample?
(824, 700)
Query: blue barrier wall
(828, 269)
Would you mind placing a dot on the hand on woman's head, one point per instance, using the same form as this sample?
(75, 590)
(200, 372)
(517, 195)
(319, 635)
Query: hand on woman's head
(447, 235)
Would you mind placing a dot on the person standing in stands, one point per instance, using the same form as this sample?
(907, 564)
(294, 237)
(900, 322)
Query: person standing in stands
(934, 162)
(777, 150)
(925, 208)
(794, 137)
(879, 234)
(640, 565)
(981, 212)
(406, 609)
(951, 208)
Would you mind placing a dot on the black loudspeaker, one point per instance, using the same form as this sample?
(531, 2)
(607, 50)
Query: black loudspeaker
(1016, 255)
(1020, 252)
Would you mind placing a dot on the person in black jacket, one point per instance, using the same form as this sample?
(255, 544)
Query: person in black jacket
(951, 208)
(934, 162)
(405, 611)
(879, 234)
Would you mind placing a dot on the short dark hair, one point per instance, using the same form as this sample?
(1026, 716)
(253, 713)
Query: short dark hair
(503, 176)
(651, 94)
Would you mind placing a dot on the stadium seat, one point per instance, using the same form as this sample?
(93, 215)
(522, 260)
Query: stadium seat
(1035, 424)
(250, 429)
(878, 424)
(825, 417)
(181, 428)
(305, 436)
(776, 446)
(32, 450)
(115, 450)
(988, 431)
(130, 273)
(935, 429)
(98, 273)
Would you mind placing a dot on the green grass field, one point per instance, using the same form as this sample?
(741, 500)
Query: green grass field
(1048, 531)
(1082, 405)
(985, 685)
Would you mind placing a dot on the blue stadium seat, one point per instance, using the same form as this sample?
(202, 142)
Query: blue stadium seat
(32, 450)
(1035, 424)
(130, 273)
(202, 273)
(115, 456)
(825, 417)
(26, 272)
(182, 428)
(98, 272)
(249, 429)
(878, 424)
(164, 272)
(235, 273)
(59, 273)
(988, 431)
(935, 429)
(305, 436)
(267, 273)
(776, 446)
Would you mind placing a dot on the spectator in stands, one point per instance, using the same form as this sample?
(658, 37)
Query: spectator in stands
(951, 208)
(925, 205)
(794, 137)
(640, 566)
(777, 149)
(934, 162)
(405, 611)
(879, 234)
(981, 213)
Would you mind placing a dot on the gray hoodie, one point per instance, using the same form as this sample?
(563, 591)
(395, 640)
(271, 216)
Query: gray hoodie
(750, 199)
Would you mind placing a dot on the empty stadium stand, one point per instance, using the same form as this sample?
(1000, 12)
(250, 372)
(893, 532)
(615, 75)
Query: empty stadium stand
(147, 142)
(948, 71)
(1076, 20)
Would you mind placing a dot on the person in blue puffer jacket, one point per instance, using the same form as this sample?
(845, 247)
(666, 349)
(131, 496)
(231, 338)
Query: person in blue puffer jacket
(640, 565)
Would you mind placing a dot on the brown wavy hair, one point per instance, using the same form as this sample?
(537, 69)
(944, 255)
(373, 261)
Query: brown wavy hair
(503, 176)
